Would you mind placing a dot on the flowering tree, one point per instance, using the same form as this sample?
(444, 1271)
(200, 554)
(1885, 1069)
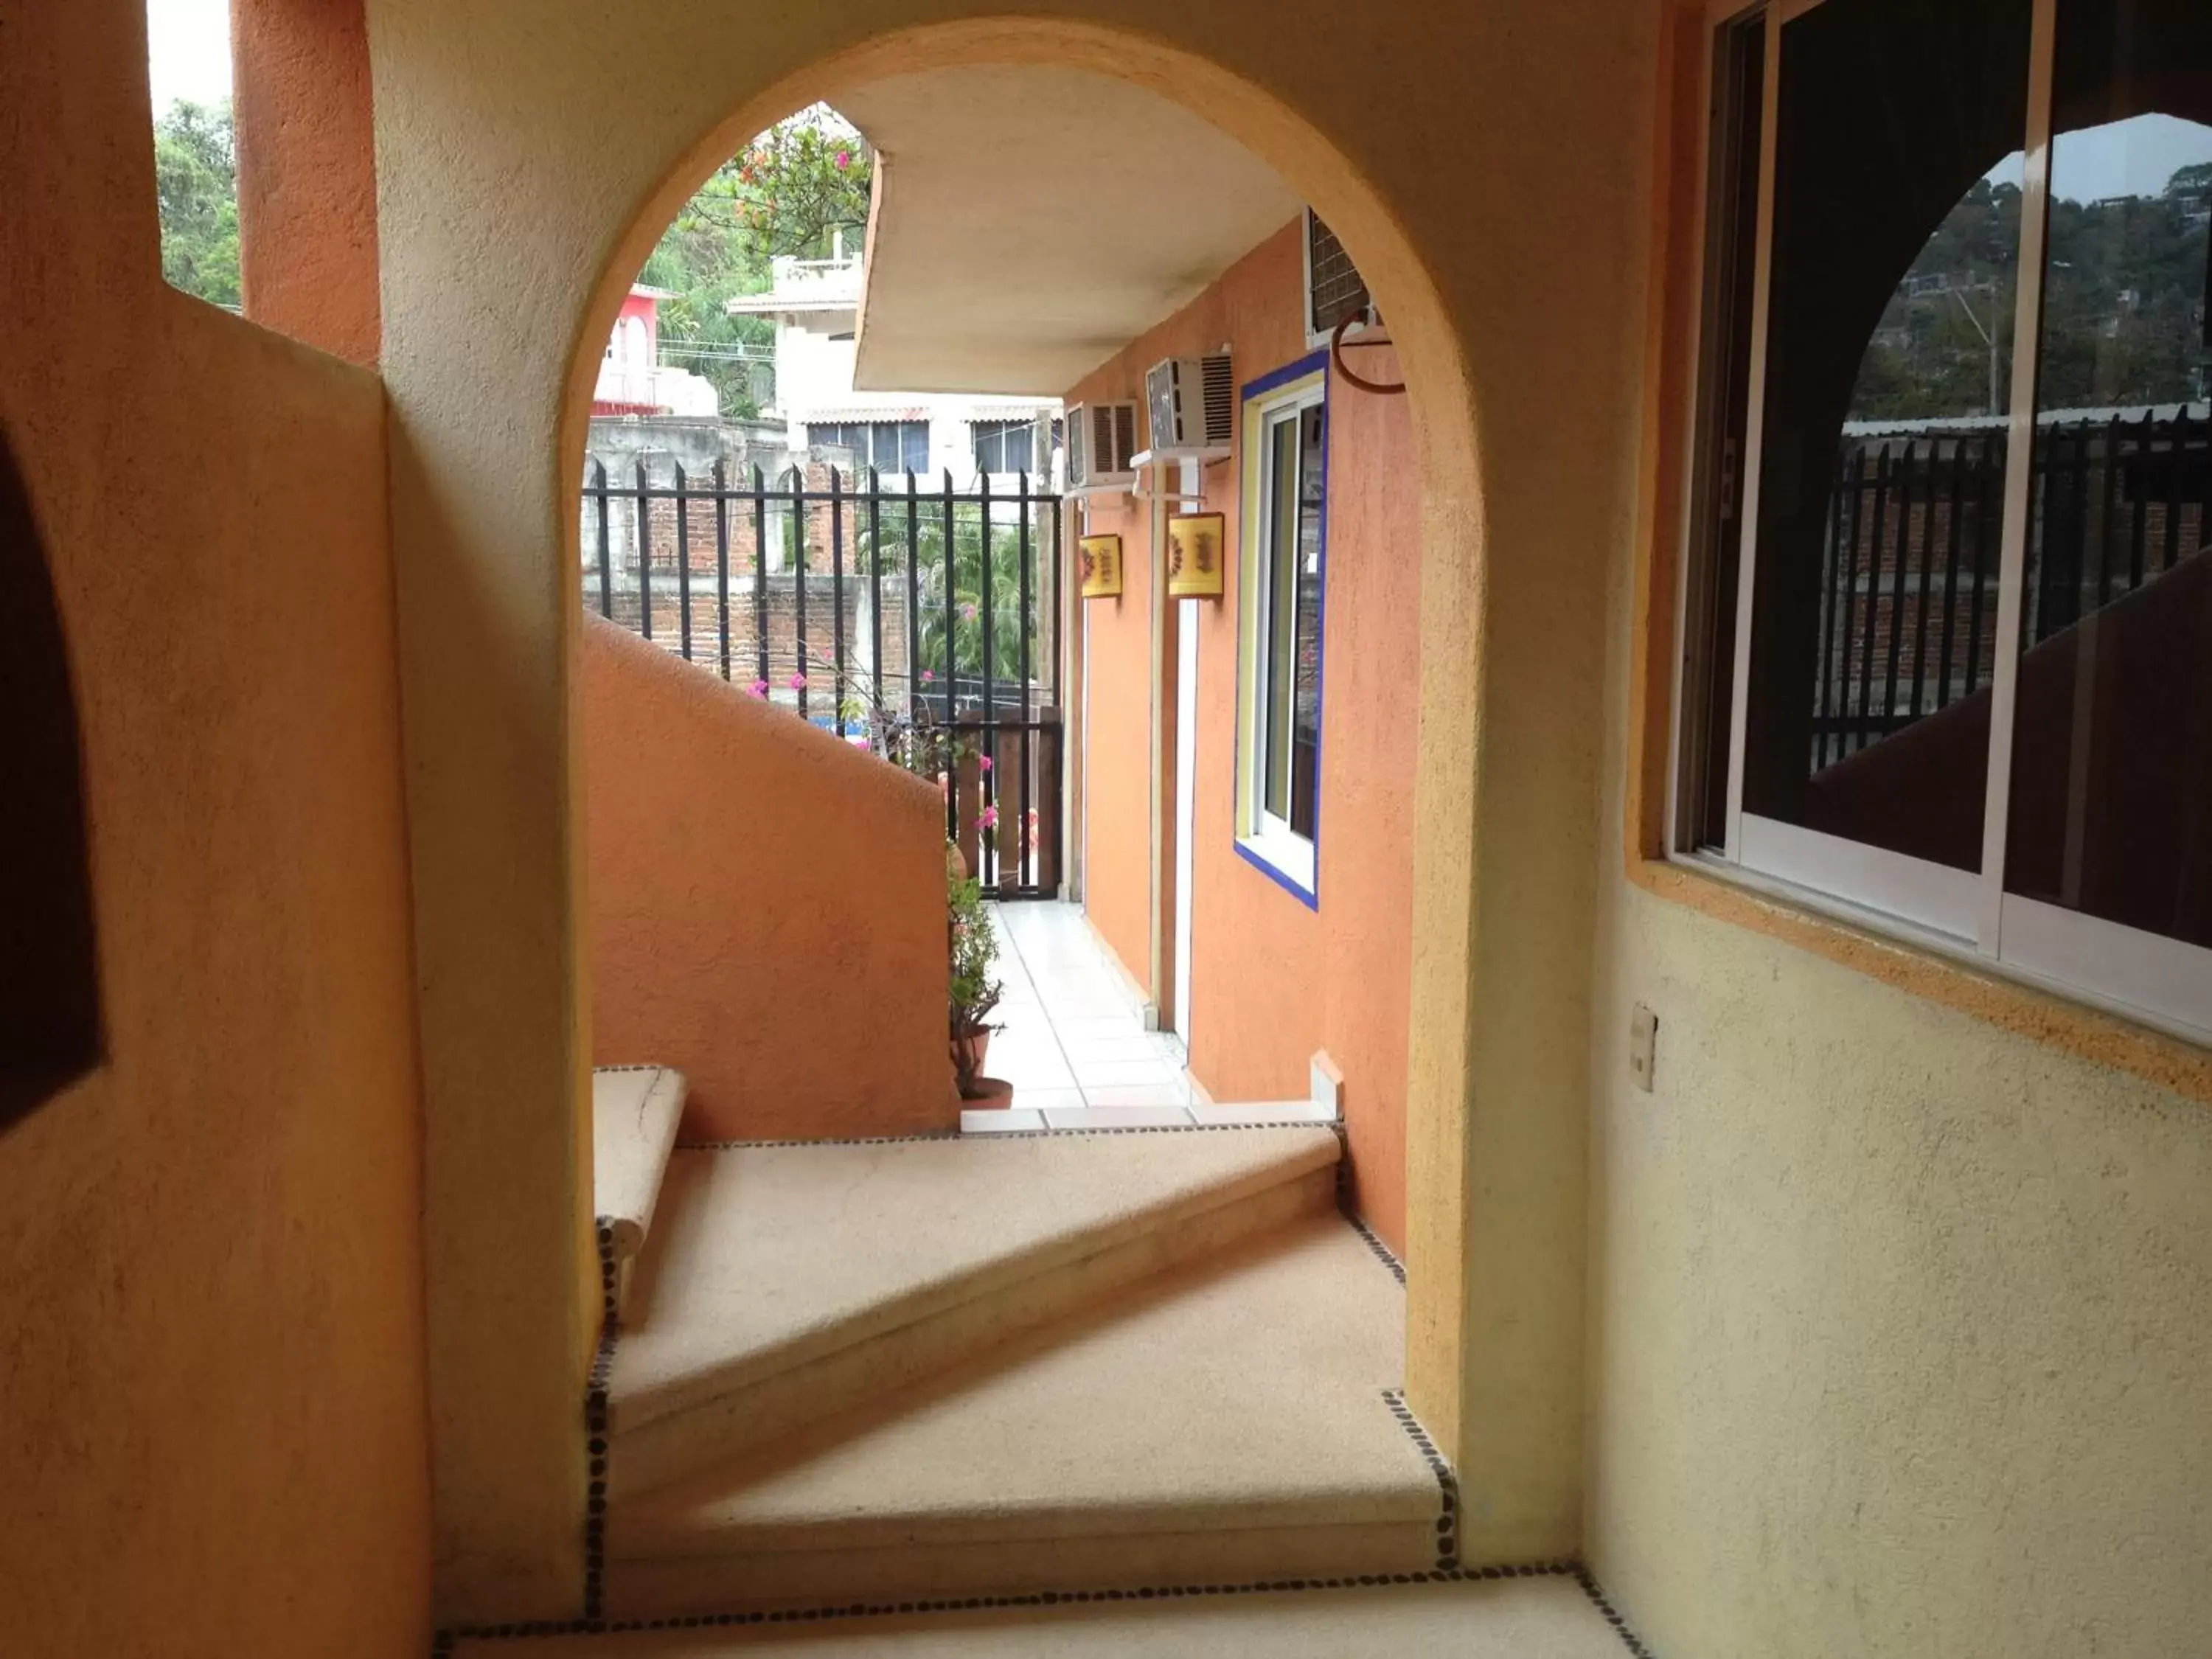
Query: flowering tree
(800, 183)
(789, 192)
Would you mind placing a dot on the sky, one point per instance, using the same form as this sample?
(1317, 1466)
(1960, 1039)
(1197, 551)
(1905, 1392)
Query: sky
(2134, 157)
(188, 50)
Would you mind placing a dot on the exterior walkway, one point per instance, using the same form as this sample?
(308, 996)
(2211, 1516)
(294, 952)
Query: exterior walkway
(1074, 1044)
(1546, 1617)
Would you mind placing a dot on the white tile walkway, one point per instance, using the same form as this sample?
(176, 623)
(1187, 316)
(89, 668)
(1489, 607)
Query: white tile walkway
(1074, 1044)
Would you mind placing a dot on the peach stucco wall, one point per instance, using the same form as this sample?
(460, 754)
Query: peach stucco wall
(1117, 754)
(767, 907)
(1271, 980)
(213, 1434)
(307, 172)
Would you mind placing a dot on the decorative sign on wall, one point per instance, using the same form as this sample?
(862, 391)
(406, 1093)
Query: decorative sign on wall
(1101, 567)
(1194, 556)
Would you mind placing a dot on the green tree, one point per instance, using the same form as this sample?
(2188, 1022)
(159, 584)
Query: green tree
(791, 191)
(196, 185)
(1007, 619)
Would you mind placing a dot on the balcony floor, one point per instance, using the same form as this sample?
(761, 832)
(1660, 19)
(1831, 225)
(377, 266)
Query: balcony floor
(1074, 1044)
(1540, 1618)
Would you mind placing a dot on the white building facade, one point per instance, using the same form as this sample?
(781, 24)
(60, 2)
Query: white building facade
(816, 306)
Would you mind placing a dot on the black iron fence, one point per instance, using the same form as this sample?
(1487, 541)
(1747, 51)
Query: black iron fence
(848, 600)
(1908, 590)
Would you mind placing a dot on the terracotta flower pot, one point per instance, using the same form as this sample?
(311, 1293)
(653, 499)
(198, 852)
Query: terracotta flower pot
(989, 1092)
(968, 1054)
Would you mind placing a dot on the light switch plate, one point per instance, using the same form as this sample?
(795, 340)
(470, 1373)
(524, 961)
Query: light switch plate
(1643, 1046)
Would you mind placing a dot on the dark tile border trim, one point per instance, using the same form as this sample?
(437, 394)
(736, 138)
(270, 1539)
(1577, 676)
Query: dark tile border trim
(597, 1440)
(998, 1134)
(443, 1645)
(1629, 1638)
(1447, 1482)
(1382, 1251)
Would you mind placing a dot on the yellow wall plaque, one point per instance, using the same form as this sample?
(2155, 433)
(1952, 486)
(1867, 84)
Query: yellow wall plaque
(1195, 556)
(1101, 567)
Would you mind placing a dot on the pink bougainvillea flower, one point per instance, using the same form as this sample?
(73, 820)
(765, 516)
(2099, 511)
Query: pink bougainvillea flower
(986, 763)
(968, 613)
(988, 818)
(844, 160)
(760, 687)
(798, 681)
(927, 675)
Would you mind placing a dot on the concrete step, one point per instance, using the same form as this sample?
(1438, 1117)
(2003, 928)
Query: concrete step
(784, 1284)
(1226, 1423)
(1546, 1617)
(635, 1113)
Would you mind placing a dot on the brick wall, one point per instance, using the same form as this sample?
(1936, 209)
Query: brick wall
(777, 594)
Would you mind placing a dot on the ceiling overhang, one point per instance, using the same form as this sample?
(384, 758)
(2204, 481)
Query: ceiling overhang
(1029, 223)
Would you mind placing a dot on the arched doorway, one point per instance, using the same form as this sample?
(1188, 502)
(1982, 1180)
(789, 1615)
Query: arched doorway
(1499, 1011)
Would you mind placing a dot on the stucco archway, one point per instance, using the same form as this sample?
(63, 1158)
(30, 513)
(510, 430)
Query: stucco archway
(1444, 420)
(514, 205)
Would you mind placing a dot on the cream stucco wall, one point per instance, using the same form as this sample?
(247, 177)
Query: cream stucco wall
(1900, 1316)
(1902, 1325)
(1477, 161)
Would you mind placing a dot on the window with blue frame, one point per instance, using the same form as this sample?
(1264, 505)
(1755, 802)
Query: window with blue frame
(1284, 536)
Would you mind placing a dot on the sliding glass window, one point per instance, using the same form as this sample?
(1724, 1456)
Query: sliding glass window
(1956, 672)
(1283, 511)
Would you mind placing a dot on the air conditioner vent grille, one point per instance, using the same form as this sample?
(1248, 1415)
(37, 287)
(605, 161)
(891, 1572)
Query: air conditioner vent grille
(1220, 399)
(1335, 289)
(1101, 438)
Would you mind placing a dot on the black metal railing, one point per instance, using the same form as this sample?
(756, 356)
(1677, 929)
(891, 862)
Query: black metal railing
(845, 600)
(1909, 586)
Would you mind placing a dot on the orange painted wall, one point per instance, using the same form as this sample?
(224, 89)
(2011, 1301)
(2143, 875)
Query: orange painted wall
(213, 1429)
(306, 172)
(1273, 980)
(1117, 675)
(767, 907)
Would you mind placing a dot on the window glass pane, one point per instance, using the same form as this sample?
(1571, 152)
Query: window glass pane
(1283, 515)
(1710, 596)
(1305, 670)
(1893, 256)
(2111, 811)
(915, 447)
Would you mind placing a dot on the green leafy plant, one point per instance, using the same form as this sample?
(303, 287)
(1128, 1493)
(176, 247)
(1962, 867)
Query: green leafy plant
(973, 954)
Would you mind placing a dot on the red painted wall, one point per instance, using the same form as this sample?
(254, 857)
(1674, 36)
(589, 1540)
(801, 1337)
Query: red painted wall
(767, 907)
(1273, 980)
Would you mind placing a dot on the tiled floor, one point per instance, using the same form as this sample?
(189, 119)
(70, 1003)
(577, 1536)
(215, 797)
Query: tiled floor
(1074, 1044)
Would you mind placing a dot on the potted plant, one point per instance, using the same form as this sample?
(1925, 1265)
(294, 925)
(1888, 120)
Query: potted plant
(974, 991)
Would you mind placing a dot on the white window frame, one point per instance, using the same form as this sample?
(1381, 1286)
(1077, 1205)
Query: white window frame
(1264, 839)
(2157, 981)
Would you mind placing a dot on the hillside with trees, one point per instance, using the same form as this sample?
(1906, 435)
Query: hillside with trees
(794, 189)
(2125, 307)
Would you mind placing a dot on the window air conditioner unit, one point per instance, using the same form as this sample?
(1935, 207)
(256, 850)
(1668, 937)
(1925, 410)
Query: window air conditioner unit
(1192, 402)
(1101, 438)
